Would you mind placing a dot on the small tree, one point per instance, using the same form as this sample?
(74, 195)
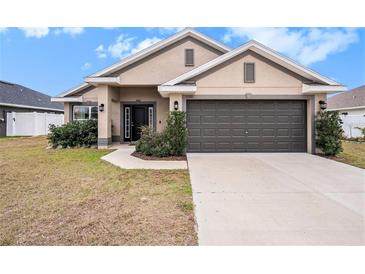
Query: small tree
(329, 132)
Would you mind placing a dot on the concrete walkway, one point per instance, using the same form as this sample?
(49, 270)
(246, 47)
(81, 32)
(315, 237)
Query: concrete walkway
(277, 199)
(122, 158)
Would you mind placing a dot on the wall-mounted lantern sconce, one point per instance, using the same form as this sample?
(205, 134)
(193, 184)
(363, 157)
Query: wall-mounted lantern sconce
(101, 107)
(176, 105)
(322, 104)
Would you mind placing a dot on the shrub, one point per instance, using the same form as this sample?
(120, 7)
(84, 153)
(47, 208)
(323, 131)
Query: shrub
(73, 134)
(329, 132)
(175, 133)
(151, 143)
(170, 142)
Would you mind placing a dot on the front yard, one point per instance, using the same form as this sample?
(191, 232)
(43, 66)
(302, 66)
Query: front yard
(71, 197)
(353, 154)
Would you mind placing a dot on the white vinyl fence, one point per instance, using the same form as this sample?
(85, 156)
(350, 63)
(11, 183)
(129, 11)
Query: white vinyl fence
(351, 123)
(31, 123)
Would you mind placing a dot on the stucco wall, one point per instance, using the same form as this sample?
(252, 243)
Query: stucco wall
(67, 115)
(147, 95)
(228, 78)
(166, 64)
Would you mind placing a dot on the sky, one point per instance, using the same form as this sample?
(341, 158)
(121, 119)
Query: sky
(53, 60)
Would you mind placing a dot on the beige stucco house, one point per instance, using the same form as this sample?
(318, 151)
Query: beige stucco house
(248, 99)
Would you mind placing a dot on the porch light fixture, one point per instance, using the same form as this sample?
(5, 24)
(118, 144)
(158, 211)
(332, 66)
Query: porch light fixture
(101, 107)
(176, 105)
(322, 104)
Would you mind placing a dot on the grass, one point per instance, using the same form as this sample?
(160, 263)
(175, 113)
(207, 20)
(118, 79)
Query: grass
(353, 154)
(71, 197)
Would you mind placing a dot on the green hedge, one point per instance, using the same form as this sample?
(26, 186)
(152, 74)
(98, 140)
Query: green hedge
(170, 142)
(329, 132)
(74, 134)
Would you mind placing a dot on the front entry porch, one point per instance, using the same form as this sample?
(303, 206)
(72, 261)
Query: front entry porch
(134, 117)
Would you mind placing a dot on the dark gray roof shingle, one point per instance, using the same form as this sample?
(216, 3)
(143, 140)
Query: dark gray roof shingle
(351, 98)
(19, 95)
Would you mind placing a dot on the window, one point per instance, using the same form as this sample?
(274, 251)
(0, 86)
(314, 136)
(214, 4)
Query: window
(127, 122)
(189, 57)
(150, 117)
(249, 72)
(85, 112)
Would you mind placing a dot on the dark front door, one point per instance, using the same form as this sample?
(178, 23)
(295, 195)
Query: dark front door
(246, 126)
(135, 117)
(139, 119)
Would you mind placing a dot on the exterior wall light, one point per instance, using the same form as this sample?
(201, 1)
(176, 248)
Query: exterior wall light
(101, 107)
(176, 105)
(322, 105)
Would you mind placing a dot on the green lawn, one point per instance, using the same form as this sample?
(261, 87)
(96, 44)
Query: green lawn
(353, 154)
(71, 197)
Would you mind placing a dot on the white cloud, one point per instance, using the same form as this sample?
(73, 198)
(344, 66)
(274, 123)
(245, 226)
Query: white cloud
(307, 46)
(35, 32)
(169, 30)
(73, 31)
(101, 52)
(164, 30)
(121, 47)
(124, 46)
(86, 66)
(145, 44)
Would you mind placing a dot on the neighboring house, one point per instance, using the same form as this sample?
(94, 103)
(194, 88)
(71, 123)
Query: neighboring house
(246, 99)
(17, 98)
(351, 106)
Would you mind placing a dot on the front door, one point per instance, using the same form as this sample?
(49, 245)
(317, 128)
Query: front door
(136, 116)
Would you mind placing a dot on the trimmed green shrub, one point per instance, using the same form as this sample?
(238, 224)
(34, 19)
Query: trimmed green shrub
(74, 134)
(170, 142)
(329, 132)
(175, 133)
(151, 143)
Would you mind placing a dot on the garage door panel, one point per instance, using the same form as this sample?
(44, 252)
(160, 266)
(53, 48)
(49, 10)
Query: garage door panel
(223, 132)
(208, 119)
(194, 132)
(246, 125)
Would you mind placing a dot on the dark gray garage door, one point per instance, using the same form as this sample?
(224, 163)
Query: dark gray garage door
(246, 126)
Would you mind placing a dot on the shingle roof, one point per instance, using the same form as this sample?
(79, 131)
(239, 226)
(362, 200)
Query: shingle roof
(348, 99)
(19, 95)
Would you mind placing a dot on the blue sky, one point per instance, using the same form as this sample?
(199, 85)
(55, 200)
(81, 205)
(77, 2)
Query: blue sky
(52, 60)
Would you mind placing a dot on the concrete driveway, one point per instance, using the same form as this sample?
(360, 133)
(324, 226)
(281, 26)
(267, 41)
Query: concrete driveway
(276, 199)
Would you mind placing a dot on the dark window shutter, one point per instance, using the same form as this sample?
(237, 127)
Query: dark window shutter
(249, 71)
(189, 57)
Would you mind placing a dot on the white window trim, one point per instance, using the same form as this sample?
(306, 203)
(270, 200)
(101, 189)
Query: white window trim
(73, 112)
(127, 122)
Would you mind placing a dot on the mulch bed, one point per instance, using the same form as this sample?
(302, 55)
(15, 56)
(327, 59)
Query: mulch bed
(155, 158)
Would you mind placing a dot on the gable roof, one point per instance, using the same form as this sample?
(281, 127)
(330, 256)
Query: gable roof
(17, 95)
(263, 51)
(354, 98)
(187, 32)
